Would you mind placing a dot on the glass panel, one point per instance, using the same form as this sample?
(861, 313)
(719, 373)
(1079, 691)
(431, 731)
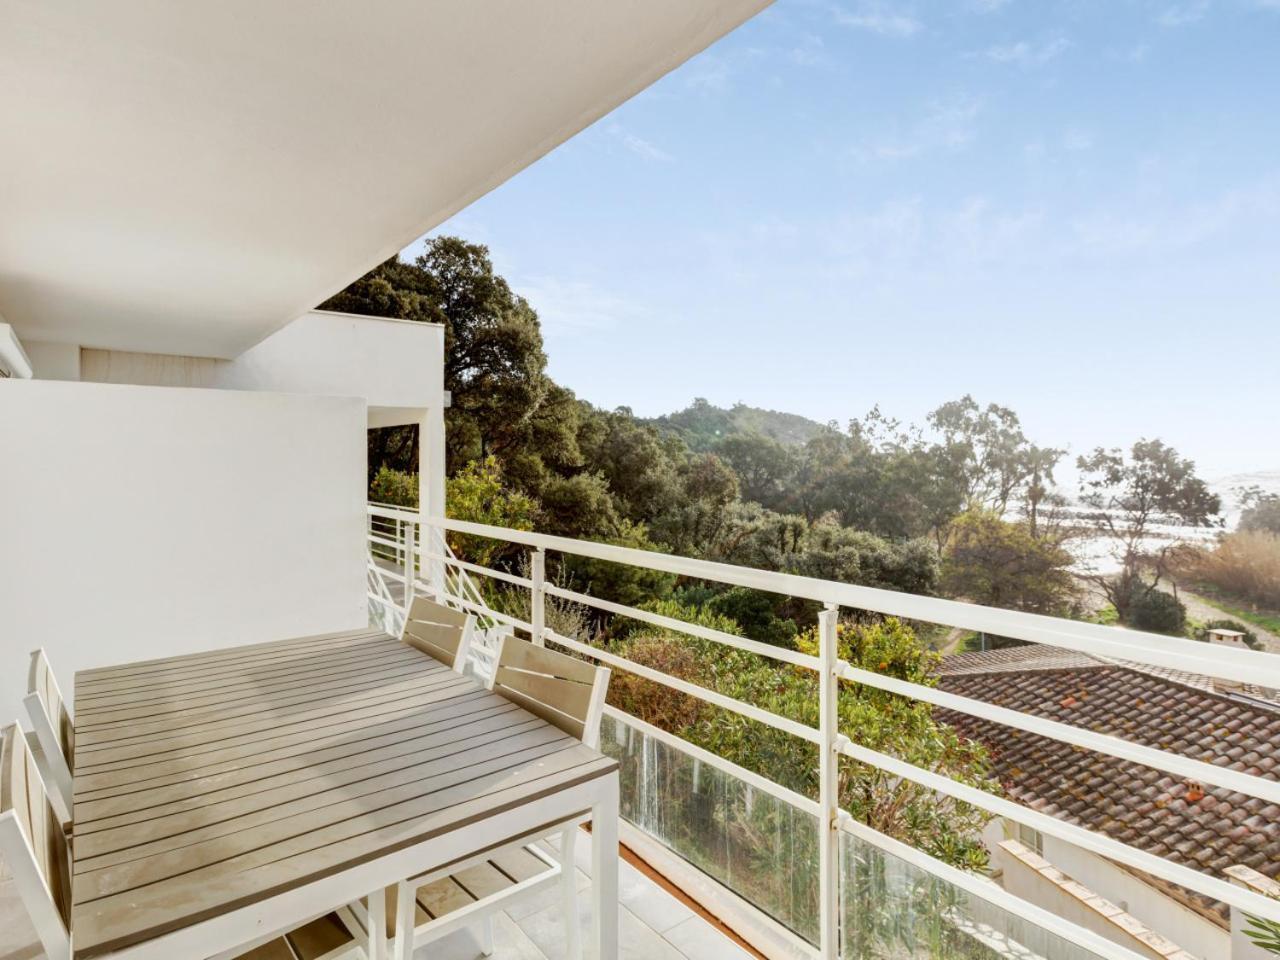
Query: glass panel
(894, 910)
(761, 848)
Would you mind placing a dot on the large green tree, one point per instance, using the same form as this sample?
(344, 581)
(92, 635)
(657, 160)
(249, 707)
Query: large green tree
(1128, 498)
(495, 365)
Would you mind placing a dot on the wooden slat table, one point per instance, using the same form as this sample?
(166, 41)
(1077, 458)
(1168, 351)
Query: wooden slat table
(222, 796)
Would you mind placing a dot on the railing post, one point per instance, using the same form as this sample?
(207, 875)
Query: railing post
(538, 595)
(410, 565)
(828, 786)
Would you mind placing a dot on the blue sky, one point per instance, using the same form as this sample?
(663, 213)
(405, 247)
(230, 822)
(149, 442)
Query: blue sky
(1072, 208)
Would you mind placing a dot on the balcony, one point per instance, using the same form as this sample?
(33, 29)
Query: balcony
(752, 851)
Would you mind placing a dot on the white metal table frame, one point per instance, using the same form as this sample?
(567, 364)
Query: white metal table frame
(263, 918)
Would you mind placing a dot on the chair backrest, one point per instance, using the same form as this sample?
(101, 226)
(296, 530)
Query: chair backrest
(54, 731)
(33, 845)
(41, 681)
(439, 631)
(558, 688)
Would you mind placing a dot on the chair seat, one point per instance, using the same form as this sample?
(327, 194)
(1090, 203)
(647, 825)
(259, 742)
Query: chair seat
(325, 937)
(440, 898)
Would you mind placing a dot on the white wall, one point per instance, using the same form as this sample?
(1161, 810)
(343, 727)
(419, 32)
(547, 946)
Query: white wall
(394, 364)
(1194, 933)
(146, 521)
(53, 361)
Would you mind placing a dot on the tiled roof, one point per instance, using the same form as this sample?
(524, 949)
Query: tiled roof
(1206, 828)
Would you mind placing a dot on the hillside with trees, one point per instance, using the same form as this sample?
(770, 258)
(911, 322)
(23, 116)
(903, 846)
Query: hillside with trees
(960, 506)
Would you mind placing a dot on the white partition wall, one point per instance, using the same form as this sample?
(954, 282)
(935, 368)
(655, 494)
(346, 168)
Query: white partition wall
(147, 521)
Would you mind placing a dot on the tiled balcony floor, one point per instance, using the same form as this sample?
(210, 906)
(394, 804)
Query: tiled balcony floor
(653, 925)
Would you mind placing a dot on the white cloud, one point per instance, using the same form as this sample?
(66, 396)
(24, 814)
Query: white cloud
(1076, 141)
(878, 16)
(948, 127)
(1180, 14)
(1027, 54)
(988, 6)
(575, 306)
(638, 145)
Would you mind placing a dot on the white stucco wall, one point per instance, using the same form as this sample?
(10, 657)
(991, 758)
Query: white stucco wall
(1164, 915)
(394, 364)
(53, 361)
(397, 366)
(147, 521)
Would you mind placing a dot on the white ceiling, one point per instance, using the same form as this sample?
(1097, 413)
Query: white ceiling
(187, 177)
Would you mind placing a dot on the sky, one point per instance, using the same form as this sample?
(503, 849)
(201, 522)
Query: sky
(1070, 208)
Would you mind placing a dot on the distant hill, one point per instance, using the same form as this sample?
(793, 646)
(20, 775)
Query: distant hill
(702, 424)
(1227, 488)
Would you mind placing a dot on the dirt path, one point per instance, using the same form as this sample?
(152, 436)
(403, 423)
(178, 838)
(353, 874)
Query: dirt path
(1198, 608)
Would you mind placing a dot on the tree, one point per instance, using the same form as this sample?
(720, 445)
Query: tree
(478, 495)
(763, 465)
(1128, 497)
(900, 726)
(495, 366)
(1002, 564)
(1261, 511)
(989, 453)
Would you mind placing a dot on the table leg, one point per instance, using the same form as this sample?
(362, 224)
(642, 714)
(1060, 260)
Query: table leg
(377, 903)
(604, 870)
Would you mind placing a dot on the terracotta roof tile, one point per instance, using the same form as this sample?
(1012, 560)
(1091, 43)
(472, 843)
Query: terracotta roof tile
(1203, 827)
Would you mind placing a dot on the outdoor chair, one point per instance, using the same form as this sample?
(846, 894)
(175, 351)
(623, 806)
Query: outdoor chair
(54, 730)
(569, 694)
(35, 849)
(440, 632)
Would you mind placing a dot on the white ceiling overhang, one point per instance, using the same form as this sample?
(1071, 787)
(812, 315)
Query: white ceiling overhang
(187, 177)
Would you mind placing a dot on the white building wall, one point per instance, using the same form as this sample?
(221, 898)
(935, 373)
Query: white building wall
(53, 361)
(1166, 916)
(145, 521)
(1162, 914)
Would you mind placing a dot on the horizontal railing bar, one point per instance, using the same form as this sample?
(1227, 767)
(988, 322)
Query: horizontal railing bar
(481, 570)
(989, 891)
(1089, 840)
(1113, 746)
(681, 626)
(483, 611)
(763, 784)
(391, 511)
(748, 710)
(1245, 666)
(383, 542)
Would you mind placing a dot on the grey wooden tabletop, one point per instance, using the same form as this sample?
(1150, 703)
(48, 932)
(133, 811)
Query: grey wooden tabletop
(209, 781)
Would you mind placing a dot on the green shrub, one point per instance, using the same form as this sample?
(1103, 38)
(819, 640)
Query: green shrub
(1157, 611)
(1201, 632)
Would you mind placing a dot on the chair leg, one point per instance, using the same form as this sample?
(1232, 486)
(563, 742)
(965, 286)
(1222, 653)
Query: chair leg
(405, 921)
(486, 937)
(569, 892)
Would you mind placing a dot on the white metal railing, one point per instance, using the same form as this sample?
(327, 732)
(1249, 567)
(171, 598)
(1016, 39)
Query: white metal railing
(1107, 642)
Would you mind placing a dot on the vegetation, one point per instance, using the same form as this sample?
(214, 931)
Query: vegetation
(1251, 640)
(1261, 511)
(1244, 567)
(885, 722)
(959, 506)
(1130, 497)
